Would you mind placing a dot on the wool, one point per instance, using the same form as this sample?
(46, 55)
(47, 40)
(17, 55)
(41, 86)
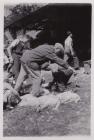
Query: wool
(49, 100)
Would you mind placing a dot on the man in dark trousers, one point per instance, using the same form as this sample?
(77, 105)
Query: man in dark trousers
(31, 63)
(15, 51)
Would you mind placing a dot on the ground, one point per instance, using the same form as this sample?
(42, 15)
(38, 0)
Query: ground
(70, 119)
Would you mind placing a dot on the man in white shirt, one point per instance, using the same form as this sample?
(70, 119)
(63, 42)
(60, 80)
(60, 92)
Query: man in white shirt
(69, 53)
(15, 51)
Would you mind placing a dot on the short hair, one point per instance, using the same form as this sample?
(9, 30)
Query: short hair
(29, 37)
(69, 32)
(59, 44)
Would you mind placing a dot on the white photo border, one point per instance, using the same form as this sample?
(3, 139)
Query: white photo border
(2, 3)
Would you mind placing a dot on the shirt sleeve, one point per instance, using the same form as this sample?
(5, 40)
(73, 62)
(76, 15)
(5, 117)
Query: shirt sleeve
(14, 43)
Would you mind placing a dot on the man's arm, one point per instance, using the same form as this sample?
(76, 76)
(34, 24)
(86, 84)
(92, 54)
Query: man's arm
(9, 49)
(71, 47)
(54, 58)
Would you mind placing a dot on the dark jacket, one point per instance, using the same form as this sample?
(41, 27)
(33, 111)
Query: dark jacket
(42, 54)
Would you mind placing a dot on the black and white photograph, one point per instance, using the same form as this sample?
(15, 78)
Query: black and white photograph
(47, 69)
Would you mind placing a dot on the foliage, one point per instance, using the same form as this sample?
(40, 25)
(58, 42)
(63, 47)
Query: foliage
(24, 9)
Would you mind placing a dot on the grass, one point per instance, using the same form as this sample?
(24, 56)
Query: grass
(70, 119)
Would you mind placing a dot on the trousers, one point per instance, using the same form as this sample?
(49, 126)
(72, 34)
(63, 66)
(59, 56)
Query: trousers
(16, 65)
(35, 76)
(72, 60)
(61, 78)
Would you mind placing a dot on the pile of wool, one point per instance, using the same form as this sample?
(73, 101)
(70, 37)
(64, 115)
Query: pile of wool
(49, 100)
(10, 95)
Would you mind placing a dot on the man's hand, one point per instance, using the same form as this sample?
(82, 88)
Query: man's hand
(74, 72)
(10, 60)
(45, 65)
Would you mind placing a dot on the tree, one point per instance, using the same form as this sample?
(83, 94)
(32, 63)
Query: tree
(24, 9)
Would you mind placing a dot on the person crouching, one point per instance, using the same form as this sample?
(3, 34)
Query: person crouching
(31, 63)
(60, 75)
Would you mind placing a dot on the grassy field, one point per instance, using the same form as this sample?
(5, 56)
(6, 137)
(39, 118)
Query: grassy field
(70, 119)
